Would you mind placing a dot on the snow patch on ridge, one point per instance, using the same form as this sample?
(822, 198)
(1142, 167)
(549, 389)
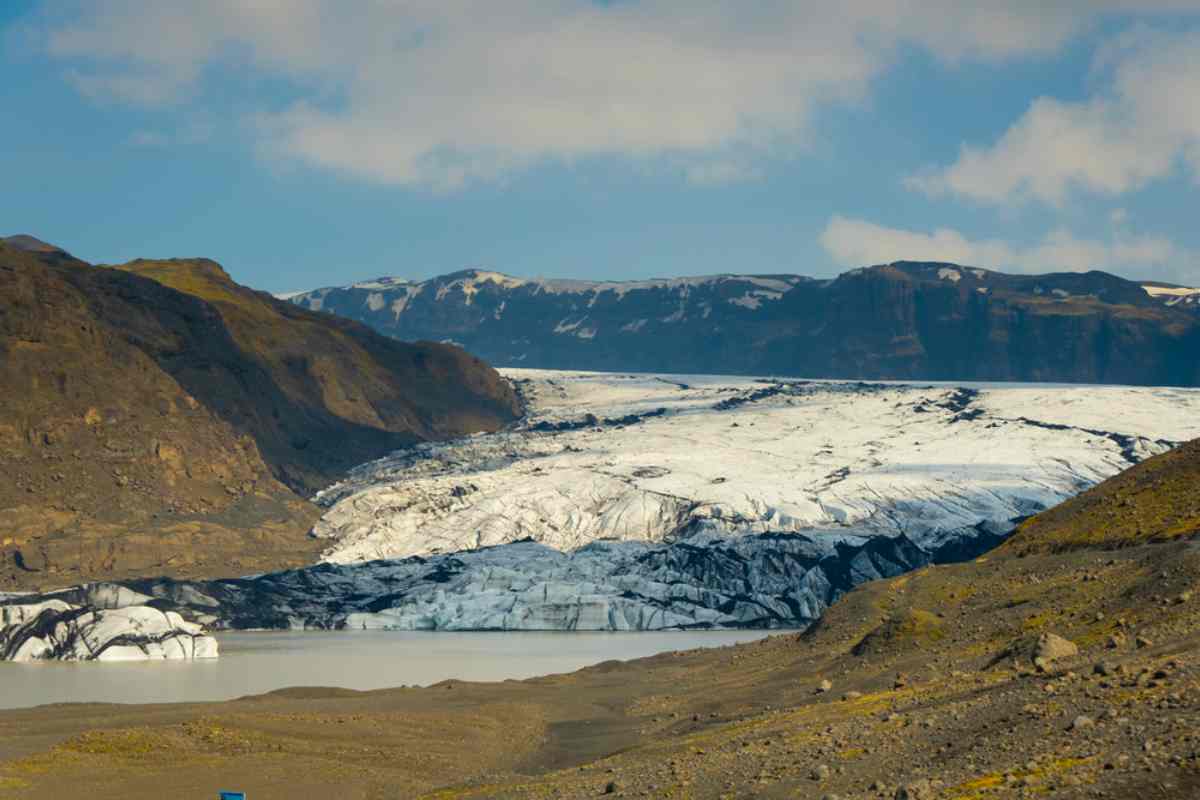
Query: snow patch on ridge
(753, 299)
(471, 281)
(401, 303)
(1174, 295)
(379, 283)
(1170, 291)
(566, 326)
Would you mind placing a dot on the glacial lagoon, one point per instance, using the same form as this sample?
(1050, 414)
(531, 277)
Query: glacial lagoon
(257, 662)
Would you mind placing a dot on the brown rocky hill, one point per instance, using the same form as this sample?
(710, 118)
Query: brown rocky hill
(157, 418)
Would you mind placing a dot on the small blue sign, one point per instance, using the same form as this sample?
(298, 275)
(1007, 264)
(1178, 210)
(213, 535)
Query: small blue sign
(233, 796)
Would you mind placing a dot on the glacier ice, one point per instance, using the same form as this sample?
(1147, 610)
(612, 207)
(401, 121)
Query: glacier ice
(648, 458)
(639, 502)
(109, 625)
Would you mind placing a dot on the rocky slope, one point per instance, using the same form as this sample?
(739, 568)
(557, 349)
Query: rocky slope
(1034, 671)
(160, 419)
(31, 244)
(896, 321)
(1155, 501)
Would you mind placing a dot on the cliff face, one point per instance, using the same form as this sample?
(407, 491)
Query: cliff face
(160, 419)
(904, 320)
(920, 321)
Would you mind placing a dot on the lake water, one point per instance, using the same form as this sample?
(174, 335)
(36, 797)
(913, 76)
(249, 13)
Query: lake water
(253, 663)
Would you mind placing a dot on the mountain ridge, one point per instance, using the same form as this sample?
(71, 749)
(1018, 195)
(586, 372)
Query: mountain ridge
(904, 320)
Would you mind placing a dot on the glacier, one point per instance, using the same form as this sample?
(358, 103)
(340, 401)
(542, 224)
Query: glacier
(651, 458)
(707, 581)
(651, 502)
(96, 622)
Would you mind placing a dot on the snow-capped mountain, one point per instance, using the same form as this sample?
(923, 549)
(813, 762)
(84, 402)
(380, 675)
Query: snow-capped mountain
(899, 321)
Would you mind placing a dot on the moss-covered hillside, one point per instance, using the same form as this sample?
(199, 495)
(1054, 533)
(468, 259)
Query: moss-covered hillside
(1157, 500)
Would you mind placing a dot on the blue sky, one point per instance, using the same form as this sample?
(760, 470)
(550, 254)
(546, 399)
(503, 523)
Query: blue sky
(302, 146)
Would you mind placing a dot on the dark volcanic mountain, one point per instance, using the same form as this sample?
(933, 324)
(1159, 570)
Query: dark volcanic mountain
(905, 320)
(159, 418)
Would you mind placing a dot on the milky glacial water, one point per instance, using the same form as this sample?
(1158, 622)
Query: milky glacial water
(257, 662)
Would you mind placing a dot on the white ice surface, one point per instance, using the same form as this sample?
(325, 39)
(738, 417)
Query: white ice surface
(871, 459)
(56, 630)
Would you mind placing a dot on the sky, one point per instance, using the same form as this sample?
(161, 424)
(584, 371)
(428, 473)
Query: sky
(307, 143)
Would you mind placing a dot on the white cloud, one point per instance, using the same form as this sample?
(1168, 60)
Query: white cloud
(149, 139)
(146, 88)
(720, 172)
(441, 92)
(1142, 126)
(856, 242)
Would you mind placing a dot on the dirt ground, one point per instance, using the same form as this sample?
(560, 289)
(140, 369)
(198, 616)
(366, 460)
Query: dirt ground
(932, 691)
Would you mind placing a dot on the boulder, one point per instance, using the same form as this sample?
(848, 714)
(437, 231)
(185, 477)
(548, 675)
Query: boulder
(1051, 647)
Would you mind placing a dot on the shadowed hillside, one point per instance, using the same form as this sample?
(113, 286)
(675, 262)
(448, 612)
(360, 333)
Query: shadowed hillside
(161, 419)
(319, 392)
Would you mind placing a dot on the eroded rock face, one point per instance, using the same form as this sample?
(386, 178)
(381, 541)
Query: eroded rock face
(51, 629)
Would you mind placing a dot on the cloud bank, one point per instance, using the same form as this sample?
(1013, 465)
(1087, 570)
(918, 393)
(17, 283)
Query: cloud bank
(443, 92)
(1142, 125)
